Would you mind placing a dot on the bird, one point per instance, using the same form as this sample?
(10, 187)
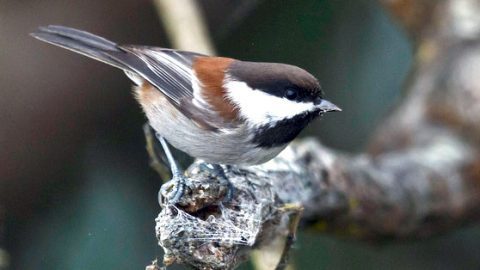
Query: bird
(217, 109)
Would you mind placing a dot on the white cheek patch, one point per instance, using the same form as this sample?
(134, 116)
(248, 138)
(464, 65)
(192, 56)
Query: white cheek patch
(260, 107)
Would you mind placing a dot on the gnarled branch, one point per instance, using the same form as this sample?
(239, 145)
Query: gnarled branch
(420, 176)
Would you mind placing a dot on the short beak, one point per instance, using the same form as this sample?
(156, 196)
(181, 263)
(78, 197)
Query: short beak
(327, 106)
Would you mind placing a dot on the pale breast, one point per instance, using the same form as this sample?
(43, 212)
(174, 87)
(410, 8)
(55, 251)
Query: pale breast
(229, 146)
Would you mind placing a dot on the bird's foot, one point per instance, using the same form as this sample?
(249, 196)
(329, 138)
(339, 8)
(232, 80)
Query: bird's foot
(172, 191)
(216, 171)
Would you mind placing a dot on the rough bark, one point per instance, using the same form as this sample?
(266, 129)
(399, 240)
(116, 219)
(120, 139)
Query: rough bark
(420, 176)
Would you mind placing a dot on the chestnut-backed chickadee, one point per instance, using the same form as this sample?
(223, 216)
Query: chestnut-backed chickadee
(221, 110)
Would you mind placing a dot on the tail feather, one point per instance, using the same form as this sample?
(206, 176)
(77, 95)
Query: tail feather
(82, 36)
(81, 42)
(170, 71)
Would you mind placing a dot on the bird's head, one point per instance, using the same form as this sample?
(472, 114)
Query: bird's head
(269, 93)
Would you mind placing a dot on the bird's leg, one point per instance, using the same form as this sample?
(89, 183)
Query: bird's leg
(177, 183)
(157, 157)
(217, 171)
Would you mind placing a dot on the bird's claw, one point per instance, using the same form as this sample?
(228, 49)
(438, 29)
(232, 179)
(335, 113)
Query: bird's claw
(172, 191)
(218, 172)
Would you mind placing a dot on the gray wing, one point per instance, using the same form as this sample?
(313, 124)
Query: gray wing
(170, 71)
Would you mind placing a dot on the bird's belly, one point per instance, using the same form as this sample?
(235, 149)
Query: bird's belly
(221, 147)
(213, 147)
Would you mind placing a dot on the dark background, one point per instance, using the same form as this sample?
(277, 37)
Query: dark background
(76, 191)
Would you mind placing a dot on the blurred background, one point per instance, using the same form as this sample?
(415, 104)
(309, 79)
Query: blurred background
(76, 190)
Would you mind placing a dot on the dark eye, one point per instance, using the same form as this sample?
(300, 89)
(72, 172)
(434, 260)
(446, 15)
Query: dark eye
(291, 93)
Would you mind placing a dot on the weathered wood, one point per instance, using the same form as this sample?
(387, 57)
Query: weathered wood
(420, 176)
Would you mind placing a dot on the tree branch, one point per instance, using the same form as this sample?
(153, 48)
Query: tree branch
(421, 175)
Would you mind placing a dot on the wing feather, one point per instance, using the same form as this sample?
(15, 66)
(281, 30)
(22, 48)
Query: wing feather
(169, 71)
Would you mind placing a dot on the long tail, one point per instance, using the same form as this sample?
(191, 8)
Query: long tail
(170, 71)
(82, 42)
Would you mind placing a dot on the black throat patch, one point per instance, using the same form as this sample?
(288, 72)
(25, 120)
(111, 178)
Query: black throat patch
(283, 131)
